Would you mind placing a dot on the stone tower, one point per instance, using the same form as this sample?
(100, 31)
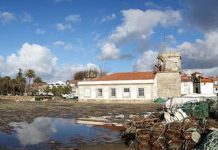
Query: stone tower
(168, 75)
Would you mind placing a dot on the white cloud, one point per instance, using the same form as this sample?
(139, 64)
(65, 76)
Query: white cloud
(6, 17)
(146, 62)
(108, 18)
(109, 51)
(138, 25)
(31, 56)
(26, 17)
(68, 22)
(62, 44)
(73, 18)
(39, 31)
(147, 20)
(202, 53)
(63, 27)
(42, 61)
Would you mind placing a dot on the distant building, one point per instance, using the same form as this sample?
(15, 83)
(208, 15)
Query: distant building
(56, 84)
(73, 85)
(197, 83)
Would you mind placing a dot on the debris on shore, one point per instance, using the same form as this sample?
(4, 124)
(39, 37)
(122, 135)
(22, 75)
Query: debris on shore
(167, 131)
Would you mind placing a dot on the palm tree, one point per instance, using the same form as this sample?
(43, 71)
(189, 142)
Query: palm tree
(37, 80)
(30, 74)
(21, 82)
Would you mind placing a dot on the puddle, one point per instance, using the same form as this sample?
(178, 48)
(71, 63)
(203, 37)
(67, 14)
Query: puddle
(46, 133)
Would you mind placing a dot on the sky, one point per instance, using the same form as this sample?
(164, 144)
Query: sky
(57, 38)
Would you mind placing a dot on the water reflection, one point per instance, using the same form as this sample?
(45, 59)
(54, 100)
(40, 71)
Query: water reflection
(43, 131)
(40, 130)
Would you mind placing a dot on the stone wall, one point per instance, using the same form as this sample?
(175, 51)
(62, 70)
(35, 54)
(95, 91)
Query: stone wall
(168, 84)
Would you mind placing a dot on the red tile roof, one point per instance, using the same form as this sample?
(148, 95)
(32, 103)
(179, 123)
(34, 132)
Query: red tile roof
(127, 76)
(73, 81)
(207, 80)
(185, 78)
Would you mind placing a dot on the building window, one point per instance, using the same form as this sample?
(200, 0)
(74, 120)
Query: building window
(113, 92)
(87, 92)
(141, 92)
(99, 92)
(126, 92)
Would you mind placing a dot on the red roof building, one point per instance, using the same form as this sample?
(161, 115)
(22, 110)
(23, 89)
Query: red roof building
(127, 76)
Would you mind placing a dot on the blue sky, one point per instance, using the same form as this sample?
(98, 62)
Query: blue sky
(116, 35)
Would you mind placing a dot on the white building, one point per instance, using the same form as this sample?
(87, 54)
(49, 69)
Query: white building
(197, 83)
(186, 84)
(123, 87)
(56, 84)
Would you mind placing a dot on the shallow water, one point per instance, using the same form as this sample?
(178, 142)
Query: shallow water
(49, 133)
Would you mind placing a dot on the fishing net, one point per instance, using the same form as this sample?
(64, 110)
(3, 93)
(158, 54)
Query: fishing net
(210, 143)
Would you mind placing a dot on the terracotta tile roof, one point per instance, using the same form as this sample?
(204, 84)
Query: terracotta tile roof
(207, 80)
(127, 76)
(73, 81)
(185, 78)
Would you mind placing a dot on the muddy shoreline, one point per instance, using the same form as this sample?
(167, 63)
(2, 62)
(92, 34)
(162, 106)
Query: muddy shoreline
(26, 111)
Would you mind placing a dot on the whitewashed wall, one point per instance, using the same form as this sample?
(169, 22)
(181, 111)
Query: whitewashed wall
(186, 88)
(133, 85)
(207, 88)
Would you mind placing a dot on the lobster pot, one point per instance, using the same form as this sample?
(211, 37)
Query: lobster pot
(145, 146)
(143, 139)
(174, 126)
(174, 143)
(172, 134)
(158, 140)
(159, 143)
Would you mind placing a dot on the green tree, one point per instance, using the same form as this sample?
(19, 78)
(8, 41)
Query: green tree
(47, 89)
(38, 80)
(21, 82)
(30, 74)
(67, 90)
